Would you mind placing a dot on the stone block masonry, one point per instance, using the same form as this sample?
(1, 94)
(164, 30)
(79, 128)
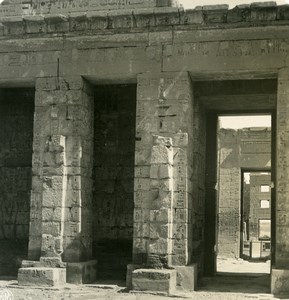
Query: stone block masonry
(10, 8)
(61, 170)
(60, 222)
(41, 277)
(165, 209)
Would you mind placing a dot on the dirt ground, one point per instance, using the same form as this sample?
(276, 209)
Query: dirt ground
(236, 280)
(217, 288)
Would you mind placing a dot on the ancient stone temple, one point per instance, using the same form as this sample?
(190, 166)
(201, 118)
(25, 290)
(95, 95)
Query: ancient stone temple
(108, 155)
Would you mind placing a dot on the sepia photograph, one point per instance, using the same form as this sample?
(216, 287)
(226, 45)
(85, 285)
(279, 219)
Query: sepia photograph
(144, 149)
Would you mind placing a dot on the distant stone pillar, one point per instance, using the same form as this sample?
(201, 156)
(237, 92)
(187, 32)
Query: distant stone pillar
(61, 224)
(280, 271)
(162, 174)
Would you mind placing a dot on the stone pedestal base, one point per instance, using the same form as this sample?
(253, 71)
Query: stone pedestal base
(130, 269)
(152, 280)
(279, 282)
(187, 277)
(81, 272)
(41, 276)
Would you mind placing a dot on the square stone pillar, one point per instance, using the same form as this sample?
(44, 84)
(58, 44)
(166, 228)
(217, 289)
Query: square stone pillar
(280, 269)
(162, 167)
(60, 225)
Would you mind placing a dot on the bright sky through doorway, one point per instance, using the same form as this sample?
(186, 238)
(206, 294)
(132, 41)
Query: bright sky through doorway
(236, 122)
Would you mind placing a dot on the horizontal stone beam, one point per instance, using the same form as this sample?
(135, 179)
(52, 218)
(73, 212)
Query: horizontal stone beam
(126, 18)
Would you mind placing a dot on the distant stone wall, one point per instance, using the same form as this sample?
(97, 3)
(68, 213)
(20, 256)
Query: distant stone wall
(248, 148)
(256, 195)
(16, 132)
(113, 204)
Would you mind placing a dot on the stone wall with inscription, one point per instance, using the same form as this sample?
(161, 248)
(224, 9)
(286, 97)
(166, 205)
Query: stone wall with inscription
(169, 175)
(40, 7)
(243, 148)
(16, 132)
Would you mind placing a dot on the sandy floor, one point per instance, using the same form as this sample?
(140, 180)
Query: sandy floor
(242, 266)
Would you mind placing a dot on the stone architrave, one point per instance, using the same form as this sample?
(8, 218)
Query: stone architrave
(18, 8)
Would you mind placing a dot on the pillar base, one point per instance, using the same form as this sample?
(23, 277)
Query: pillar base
(187, 277)
(81, 272)
(279, 281)
(152, 280)
(130, 269)
(41, 276)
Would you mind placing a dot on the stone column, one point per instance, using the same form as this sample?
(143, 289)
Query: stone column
(60, 225)
(280, 269)
(162, 214)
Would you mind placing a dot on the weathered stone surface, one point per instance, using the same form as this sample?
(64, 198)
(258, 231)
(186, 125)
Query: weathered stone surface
(283, 12)
(240, 13)
(187, 277)
(263, 11)
(34, 24)
(154, 280)
(214, 13)
(167, 16)
(279, 281)
(81, 272)
(144, 17)
(46, 7)
(130, 269)
(41, 276)
(45, 262)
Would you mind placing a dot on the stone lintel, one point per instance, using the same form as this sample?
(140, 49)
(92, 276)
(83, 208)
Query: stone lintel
(41, 276)
(153, 280)
(81, 272)
(279, 281)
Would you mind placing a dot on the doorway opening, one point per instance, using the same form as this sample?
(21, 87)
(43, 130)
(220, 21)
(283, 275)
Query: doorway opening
(244, 99)
(113, 173)
(16, 135)
(244, 194)
(255, 242)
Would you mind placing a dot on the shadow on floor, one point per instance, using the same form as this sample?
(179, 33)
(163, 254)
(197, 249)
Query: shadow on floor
(236, 283)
